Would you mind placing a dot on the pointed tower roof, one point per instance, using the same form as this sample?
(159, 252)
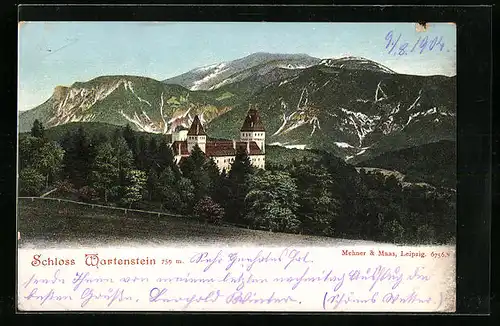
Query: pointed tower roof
(252, 121)
(196, 128)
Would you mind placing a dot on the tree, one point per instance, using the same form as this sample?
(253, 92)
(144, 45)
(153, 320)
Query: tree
(99, 139)
(238, 178)
(241, 168)
(37, 130)
(123, 153)
(105, 170)
(152, 184)
(43, 155)
(28, 146)
(165, 158)
(221, 189)
(212, 171)
(272, 201)
(130, 138)
(141, 159)
(125, 163)
(78, 157)
(186, 194)
(168, 192)
(194, 167)
(318, 208)
(48, 160)
(176, 193)
(152, 152)
(31, 182)
(209, 211)
(134, 188)
(193, 163)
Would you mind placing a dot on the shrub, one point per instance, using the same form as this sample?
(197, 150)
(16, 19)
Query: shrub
(87, 194)
(65, 186)
(426, 233)
(31, 182)
(209, 211)
(393, 231)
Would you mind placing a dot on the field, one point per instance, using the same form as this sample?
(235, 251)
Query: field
(48, 223)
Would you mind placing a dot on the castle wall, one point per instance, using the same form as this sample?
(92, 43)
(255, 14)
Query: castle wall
(224, 162)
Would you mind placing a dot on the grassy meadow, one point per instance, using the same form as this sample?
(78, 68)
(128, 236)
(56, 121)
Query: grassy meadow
(49, 223)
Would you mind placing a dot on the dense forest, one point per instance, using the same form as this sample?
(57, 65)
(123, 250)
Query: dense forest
(438, 167)
(320, 195)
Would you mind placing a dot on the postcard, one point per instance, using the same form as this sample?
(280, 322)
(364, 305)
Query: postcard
(236, 166)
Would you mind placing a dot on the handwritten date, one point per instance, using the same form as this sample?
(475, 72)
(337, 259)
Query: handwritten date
(396, 46)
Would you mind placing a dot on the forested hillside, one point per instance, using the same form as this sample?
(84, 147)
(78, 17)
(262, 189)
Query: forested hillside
(318, 194)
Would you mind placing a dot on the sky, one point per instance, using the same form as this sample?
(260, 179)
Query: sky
(61, 53)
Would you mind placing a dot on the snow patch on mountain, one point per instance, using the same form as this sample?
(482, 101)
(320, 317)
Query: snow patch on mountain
(292, 146)
(222, 83)
(416, 101)
(420, 113)
(362, 123)
(343, 145)
(206, 68)
(286, 81)
(294, 66)
(355, 63)
(219, 69)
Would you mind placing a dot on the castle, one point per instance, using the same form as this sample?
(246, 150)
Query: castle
(223, 152)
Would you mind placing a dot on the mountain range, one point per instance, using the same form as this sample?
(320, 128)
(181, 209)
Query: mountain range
(353, 107)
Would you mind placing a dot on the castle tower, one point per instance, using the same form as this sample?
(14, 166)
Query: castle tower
(253, 130)
(196, 135)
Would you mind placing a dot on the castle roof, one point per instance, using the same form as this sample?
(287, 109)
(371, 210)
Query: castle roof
(218, 148)
(196, 128)
(227, 148)
(252, 121)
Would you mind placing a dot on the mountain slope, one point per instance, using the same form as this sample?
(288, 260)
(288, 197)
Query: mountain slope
(145, 103)
(351, 112)
(217, 75)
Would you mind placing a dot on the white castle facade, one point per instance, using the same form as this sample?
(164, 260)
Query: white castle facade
(223, 152)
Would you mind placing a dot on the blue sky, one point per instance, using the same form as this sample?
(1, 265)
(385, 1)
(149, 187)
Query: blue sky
(60, 53)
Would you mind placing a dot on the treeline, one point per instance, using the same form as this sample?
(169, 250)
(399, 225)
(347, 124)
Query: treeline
(438, 167)
(331, 198)
(320, 196)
